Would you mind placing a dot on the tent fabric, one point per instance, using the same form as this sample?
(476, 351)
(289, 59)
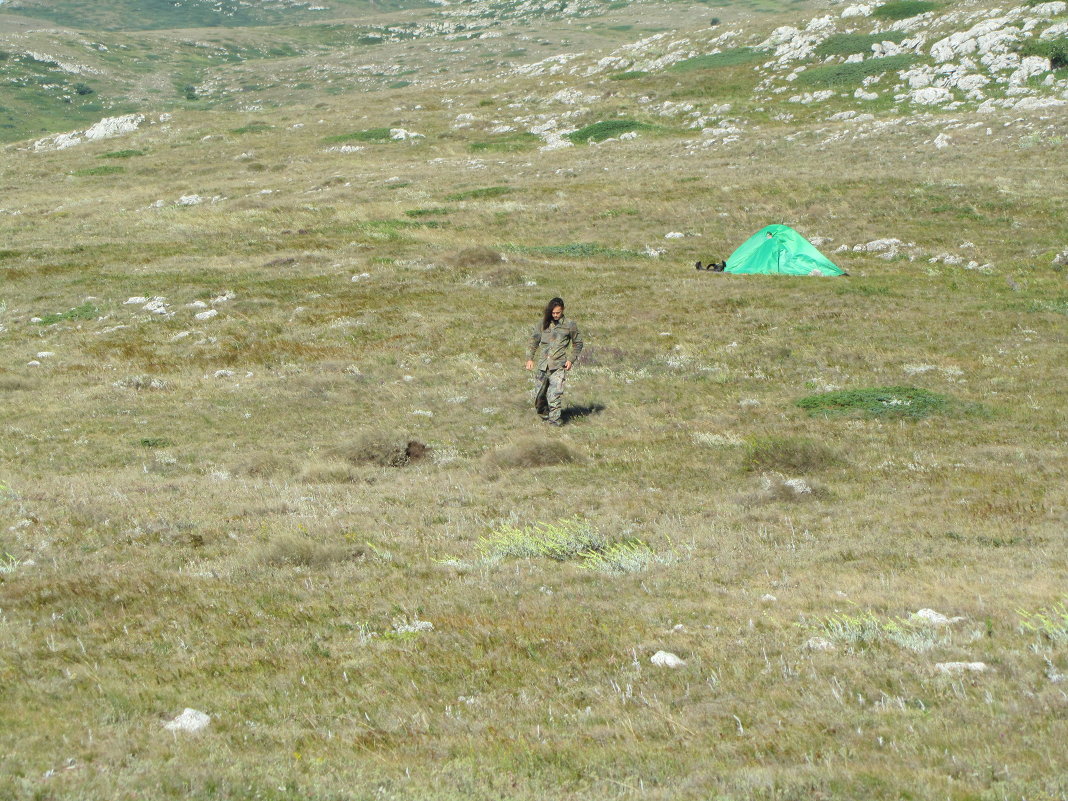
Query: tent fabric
(779, 250)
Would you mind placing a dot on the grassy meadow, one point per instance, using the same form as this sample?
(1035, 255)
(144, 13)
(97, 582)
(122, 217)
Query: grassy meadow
(327, 516)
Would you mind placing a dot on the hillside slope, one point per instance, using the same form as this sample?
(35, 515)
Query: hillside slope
(268, 452)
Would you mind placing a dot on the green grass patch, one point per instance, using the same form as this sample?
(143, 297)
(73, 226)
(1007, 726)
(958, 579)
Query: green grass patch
(121, 154)
(1049, 623)
(1056, 50)
(480, 194)
(154, 442)
(846, 44)
(607, 129)
(562, 541)
(576, 250)
(728, 58)
(252, 127)
(852, 74)
(431, 212)
(897, 402)
(366, 135)
(507, 143)
(903, 9)
(106, 169)
(87, 311)
(630, 75)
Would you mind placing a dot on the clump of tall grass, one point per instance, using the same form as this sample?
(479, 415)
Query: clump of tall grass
(479, 256)
(633, 556)
(533, 452)
(1050, 623)
(562, 541)
(303, 551)
(864, 630)
(787, 455)
(380, 449)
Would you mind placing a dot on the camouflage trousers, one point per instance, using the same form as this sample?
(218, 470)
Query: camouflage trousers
(550, 393)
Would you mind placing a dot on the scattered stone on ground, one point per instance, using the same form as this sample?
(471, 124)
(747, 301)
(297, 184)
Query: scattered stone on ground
(190, 721)
(954, 668)
(666, 659)
(933, 618)
(820, 644)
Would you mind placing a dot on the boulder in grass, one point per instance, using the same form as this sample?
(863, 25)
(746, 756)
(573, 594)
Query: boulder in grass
(666, 659)
(190, 721)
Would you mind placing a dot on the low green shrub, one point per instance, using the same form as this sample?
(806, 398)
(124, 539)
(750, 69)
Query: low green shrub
(121, 154)
(728, 58)
(630, 75)
(252, 127)
(902, 9)
(87, 311)
(105, 169)
(902, 402)
(853, 73)
(507, 143)
(607, 129)
(480, 194)
(846, 44)
(1056, 50)
(366, 135)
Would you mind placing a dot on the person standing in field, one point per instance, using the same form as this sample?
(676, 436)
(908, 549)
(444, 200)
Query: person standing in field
(550, 343)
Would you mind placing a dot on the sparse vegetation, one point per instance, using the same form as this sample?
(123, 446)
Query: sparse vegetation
(902, 9)
(211, 488)
(788, 454)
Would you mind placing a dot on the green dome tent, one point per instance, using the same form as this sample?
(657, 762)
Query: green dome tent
(779, 250)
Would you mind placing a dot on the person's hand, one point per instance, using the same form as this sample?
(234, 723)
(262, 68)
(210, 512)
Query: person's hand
(567, 365)
(530, 364)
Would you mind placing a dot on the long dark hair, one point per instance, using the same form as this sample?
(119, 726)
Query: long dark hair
(547, 317)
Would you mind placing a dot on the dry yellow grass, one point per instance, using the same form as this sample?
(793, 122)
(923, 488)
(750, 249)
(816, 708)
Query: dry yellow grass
(244, 537)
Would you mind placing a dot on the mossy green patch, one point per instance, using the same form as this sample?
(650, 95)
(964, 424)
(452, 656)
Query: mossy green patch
(607, 129)
(846, 44)
(728, 58)
(507, 143)
(852, 74)
(899, 402)
(366, 135)
(480, 194)
(903, 9)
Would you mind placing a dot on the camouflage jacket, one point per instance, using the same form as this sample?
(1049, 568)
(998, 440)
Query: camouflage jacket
(551, 344)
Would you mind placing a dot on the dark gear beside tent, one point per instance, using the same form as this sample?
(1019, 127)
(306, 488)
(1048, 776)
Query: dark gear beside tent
(780, 250)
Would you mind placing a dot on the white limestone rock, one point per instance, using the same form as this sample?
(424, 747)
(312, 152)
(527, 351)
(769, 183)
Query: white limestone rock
(189, 722)
(666, 659)
(956, 668)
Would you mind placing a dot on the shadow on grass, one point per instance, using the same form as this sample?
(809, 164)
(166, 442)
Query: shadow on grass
(572, 413)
